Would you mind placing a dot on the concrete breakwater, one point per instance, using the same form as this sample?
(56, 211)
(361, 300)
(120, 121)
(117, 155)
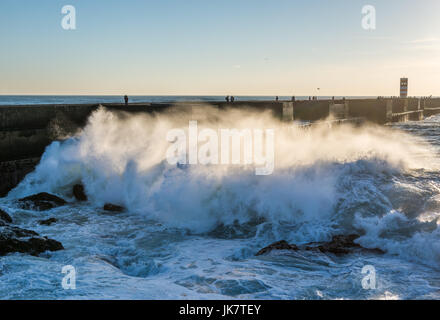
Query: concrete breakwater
(25, 131)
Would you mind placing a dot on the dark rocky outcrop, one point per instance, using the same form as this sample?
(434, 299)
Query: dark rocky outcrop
(113, 208)
(79, 193)
(339, 245)
(280, 245)
(5, 217)
(47, 222)
(14, 239)
(41, 202)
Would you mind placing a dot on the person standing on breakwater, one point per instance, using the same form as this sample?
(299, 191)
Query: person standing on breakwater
(276, 98)
(227, 99)
(232, 99)
(126, 100)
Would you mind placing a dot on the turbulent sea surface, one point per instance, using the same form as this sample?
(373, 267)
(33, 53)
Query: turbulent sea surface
(192, 232)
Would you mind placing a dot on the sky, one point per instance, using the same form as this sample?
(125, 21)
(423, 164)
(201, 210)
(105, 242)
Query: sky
(219, 47)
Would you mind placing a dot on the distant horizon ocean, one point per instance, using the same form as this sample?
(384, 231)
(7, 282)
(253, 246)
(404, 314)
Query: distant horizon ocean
(79, 99)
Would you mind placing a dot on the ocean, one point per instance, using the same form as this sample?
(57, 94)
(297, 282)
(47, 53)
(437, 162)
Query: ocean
(193, 232)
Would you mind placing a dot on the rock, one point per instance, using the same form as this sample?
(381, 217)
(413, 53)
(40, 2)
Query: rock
(339, 245)
(78, 192)
(41, 202)
(47, 222)
(113, 208)
(280, 245)
(5, 217)
(14, 239)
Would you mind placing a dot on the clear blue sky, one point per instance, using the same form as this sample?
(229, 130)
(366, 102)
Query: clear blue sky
(254, 47)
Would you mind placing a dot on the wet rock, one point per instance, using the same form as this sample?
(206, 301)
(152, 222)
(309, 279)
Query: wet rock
(339, 245)
(14, 239)
(79, 193)
(280, 245)
(5, 217)
(47, 222)
(41, 202)
(113, 208)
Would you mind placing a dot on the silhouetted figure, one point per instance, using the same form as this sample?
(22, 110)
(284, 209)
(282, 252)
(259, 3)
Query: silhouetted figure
(126, 100)
(333, 98)
(232, 99)
(343, 99)
(310, 98)
(227, 99)
(276, 98)
(293, 99)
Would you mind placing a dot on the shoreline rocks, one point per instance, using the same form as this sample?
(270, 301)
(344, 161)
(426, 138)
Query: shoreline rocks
(79, 193)
(280, 245)
(42, 201)
(5, 217)
(339, 245)
(47, 222)
(14, 239)
(113, 208)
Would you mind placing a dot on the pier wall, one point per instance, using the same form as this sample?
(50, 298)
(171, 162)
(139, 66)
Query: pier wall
(372, 110)
(25, 131)
(431, 107)
(313, 110)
